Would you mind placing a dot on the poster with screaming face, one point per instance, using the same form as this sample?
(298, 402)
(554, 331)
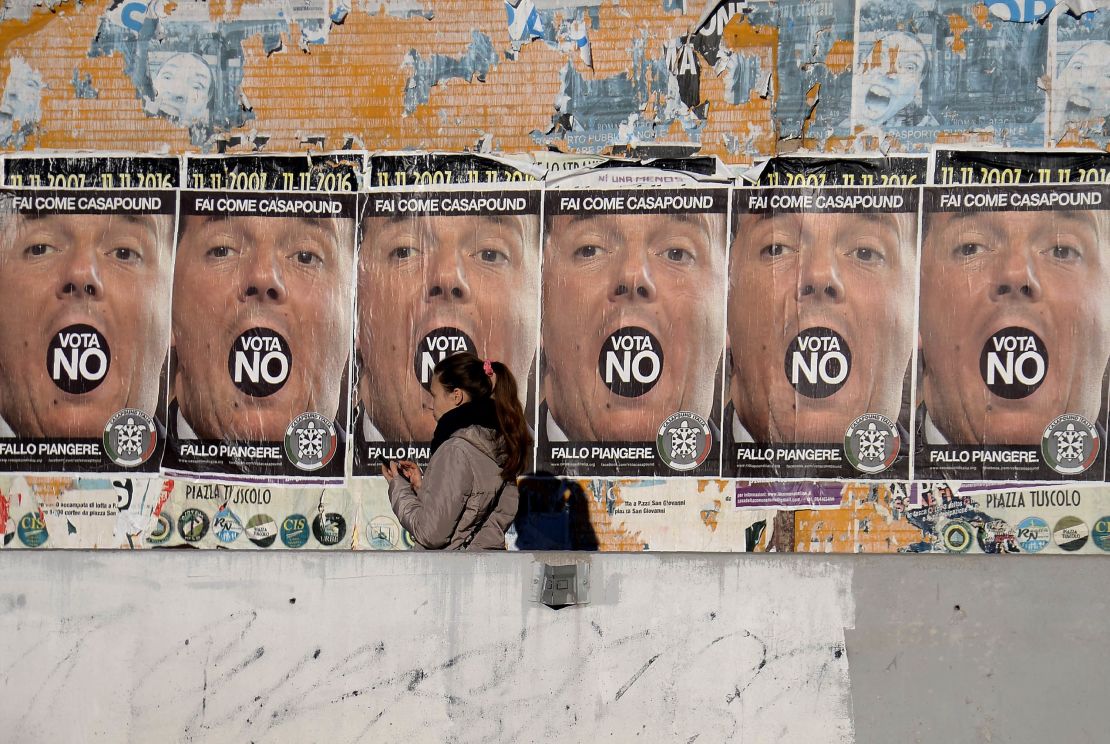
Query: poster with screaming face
(85, 331)
(439, 272)
(820, 332)
(632, 331)
(262, 318)
(1014, 333)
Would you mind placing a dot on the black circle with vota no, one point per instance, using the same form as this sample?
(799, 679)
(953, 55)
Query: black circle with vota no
(631, 361)
(1013, 363)
(818, 362)
(78, 359)
(260, 362)
(436, 345)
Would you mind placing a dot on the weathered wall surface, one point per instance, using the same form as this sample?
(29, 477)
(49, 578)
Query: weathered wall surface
(215, 647)
(210, 647)
(751, 78)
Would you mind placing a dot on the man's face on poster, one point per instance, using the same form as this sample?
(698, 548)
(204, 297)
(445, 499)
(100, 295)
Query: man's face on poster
(474, 274)
(110, 273)
(287, 275)
(658, 272)
(792, 273)
(982, 272)
(890, 77)
(1084, 83)
(182, 87)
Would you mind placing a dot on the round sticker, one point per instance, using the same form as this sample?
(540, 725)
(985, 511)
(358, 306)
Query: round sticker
(1013, 363)
(329, 528)
(130, 437)
(818, 362)
(226, 526)
(439, 344)
(310, 441)
(1070, 444)
(162, 529)
(1033, 534)
(872, 442)
(32, 530)
(683, 441)
(384, 533)
(996, 536)
(259, 362)
(1070, 533)
(1100, 533)
(294, 531)
(78, 358)
(956, 536)
(262, 530)
(193, 525)
(631, 361)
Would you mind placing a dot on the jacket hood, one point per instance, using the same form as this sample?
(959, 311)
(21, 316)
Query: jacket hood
(487, 441)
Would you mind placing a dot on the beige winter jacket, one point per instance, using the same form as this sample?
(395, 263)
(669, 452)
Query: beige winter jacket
(460, 482)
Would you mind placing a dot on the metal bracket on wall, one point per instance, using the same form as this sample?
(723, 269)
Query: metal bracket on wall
(559, 586)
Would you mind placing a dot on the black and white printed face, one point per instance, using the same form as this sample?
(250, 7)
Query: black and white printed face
(1082, 89)
(85, 328)
(1015, 321)
(632, 321)
(22, 94)
(182, 88)
(889, 77)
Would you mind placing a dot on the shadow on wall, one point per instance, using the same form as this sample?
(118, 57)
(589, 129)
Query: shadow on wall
(554, 514)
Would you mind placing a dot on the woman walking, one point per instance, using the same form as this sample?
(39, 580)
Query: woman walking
(468, 496)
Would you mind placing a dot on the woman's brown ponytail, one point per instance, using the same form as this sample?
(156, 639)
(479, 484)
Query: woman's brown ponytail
(467, 372)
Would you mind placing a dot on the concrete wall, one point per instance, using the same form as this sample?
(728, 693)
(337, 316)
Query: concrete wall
(211, 646)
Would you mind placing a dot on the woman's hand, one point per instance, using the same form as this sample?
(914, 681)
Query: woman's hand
(411, 472)
(390, 472)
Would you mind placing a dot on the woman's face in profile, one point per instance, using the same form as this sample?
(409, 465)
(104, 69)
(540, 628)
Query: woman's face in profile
(444, 400)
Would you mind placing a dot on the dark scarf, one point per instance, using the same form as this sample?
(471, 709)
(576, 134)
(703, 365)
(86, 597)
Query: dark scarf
(476, 412)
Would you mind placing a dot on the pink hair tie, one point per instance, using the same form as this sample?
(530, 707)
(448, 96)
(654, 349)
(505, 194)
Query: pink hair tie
(488, 368)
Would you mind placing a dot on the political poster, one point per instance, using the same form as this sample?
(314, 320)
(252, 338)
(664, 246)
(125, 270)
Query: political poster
(92, 171)
(84, 336)
(1014, 333)
(262, 331)
(632, 327)
(77, 512)
(1079, 66)
(820, 333)
(414, 169)
(260, 516)
(927, 70)
(812, 75)
(840, 170)
(339, 171)
(440, 271)
(970, 167)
